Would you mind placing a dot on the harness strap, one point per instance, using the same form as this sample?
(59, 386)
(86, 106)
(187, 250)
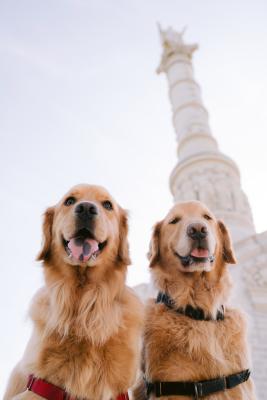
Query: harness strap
(124, 396)
(197, 389)
(191, 312)
(49, 391)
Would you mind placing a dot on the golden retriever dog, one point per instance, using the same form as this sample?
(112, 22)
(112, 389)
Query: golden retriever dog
(194, 344)
(87, 323)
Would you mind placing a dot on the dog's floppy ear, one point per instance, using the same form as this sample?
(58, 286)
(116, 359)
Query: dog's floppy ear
(123, 250)
(228, 251)
(47, 235)
(153, 254)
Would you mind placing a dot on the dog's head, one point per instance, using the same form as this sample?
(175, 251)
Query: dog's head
(86, 228)
(190, 239)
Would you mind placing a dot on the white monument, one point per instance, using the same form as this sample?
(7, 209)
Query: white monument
(204, 173)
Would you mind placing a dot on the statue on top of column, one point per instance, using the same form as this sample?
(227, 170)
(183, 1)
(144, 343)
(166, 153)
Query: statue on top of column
(172, 43)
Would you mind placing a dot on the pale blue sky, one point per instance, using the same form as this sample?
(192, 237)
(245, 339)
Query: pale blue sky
(81, 102)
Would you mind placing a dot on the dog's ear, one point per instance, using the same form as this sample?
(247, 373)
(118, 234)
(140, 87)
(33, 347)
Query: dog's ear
(123, 250)
(227, 247)
(153, 254)
(45, 251)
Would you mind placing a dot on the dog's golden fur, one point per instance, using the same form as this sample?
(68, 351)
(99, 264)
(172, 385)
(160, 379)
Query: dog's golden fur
(87, 323)
(176, 347)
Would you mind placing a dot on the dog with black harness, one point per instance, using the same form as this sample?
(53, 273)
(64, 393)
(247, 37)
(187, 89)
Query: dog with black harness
(195, 345)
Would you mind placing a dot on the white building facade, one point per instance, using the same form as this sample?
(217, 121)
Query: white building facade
(204, 173)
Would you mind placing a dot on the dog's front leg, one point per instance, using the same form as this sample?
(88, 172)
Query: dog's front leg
(16, 384)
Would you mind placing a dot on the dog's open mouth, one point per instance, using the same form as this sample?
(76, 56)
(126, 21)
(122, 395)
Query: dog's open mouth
(83, 246)
(197, 255)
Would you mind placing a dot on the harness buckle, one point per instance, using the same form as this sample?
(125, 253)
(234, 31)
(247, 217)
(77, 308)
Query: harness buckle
(225, 383)
(158, 391)
(198, 390)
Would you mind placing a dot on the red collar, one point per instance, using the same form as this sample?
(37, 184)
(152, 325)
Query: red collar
(52, 392)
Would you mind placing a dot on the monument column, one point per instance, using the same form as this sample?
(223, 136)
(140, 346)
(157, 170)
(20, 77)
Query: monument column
(202, 171)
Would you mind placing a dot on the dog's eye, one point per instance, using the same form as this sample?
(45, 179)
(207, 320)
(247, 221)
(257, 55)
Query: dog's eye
(207, 217)
(107, 205)
(175, 220)
(69, 201)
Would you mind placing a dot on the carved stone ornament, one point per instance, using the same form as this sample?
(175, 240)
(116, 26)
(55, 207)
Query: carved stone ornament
(172, 43)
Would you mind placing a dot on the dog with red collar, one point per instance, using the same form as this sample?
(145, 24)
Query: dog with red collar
(85, 343)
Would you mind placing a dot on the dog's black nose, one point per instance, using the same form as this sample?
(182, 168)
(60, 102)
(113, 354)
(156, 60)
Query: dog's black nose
(197, 231)
(86, 210)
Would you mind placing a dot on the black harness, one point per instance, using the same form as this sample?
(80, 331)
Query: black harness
(197, 389)
(189, 311)
(200, 388)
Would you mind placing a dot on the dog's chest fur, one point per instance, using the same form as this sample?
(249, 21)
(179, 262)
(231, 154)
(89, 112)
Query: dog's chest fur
(87, 369)
(178, 348)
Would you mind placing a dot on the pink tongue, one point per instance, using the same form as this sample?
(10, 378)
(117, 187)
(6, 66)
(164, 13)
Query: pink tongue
(82, 249)
(200, 253)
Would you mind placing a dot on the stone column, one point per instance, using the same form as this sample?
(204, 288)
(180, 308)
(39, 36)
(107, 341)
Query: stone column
(202, 171)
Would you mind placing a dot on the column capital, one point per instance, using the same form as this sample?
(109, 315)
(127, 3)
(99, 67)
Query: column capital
(173, 45)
